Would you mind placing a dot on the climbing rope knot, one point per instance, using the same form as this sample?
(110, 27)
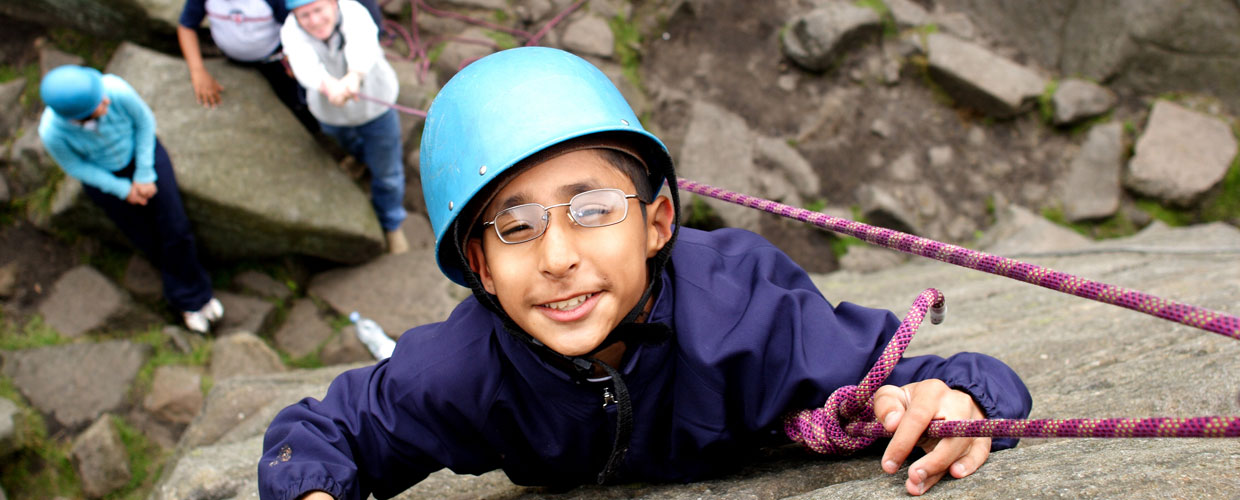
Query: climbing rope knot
(822, 429)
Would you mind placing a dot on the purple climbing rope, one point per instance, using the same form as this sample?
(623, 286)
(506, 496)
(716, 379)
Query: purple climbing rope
(1205, 319)
(846, 422)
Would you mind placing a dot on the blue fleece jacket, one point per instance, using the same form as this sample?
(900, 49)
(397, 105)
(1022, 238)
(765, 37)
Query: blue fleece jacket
(125, 133)
(753, 339)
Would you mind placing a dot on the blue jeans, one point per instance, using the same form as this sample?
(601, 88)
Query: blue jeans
(377, 144)
(162, 232)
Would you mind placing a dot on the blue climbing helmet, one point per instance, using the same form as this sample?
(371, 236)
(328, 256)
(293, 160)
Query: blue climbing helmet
(502, 109)
(293, 4)
(73, 92)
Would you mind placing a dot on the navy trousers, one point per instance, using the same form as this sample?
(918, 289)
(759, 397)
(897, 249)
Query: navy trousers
(161, 231)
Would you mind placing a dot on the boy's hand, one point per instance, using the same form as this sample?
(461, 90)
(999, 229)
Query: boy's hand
(206, 88)
(907, 411)
(316, 495)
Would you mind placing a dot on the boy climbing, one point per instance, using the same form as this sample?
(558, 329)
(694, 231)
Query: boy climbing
(603, 343)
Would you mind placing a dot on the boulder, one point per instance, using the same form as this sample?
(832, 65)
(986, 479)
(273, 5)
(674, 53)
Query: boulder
(118, 19)
(10, 99)
(262, 285)
(243, 313)
(815, 39)
(1146, 46)
(142, 279)
(1075, 99)
(75, 383)
(1017, 230)
(176, 394)
(242, 353)
(720, 149)
(1181, 155)
(344, 348)
(100, 458)
(30, 167)
(82, 300)
(9, 413)
(253, 181)
(399, 292)
(589, 35)
(907, 13)
(980, 78)
(303, 330)
(1092, 189)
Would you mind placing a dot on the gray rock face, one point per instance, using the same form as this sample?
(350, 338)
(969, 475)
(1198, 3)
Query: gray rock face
(980, 78)
(8, 427)
(815, 39)
(1079, 358)
(10, 97)
(397, 291)
(243, 313)
(112, 19)
(589, 35)
(242, 353)
(247, 197)
(176, 394)
(29, 165)
(303, 330)
(261, 285)
(1092, 189)
(142, 279)
(100, 459)
(1180, 155)
(345, 348)
(1139, 45)
(80, 301)
(1017, 230)
(720, 149)
(76, 383)
(1077, 99)
(907, 13)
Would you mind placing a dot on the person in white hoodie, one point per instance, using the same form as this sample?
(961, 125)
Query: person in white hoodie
(333, 48)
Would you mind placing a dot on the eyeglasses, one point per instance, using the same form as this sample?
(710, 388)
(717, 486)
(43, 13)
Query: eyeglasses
(596, 208)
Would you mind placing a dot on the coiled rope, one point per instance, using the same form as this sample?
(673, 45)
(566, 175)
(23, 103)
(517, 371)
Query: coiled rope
(846, 422)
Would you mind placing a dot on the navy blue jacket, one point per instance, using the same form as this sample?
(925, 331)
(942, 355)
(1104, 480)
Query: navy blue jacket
(754, 339)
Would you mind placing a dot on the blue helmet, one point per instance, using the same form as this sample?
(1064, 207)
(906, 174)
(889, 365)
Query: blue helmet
(73, 92)
(502, 109)
(293, 4)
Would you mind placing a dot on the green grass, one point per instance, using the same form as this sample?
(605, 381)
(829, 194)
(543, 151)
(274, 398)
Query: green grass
(146, 460)
(701, 216)
(34, 333)
(41, 467)
(628, 48)
(95, 52)
(165, 354)
(503, 41)
(1046, 104)
(816, 205)
(841, 243)
(884, 15)
(30, 91)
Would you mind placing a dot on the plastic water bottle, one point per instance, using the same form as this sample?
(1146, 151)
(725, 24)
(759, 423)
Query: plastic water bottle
(372, 336)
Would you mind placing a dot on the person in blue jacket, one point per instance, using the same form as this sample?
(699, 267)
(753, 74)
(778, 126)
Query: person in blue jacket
(602, 343)
(102, 133)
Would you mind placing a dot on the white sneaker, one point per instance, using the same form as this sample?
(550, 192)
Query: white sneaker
(200, 321)
(214, 310)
